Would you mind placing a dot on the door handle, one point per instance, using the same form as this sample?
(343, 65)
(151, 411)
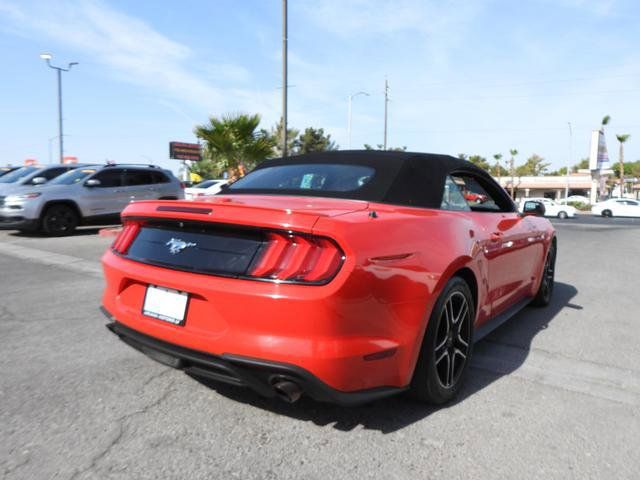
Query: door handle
(495, 236)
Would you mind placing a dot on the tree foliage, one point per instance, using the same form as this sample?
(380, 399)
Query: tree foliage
(631, 169)
(581, 165)
(275, 135)
(560, 171)
(314, 140)
(535, 165)
(479, 161)
(231, 142)
(381, 147)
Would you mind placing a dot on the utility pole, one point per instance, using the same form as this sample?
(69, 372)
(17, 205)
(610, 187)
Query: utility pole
(47, 57)
(566, 188)
(386, 103)
(284, 78)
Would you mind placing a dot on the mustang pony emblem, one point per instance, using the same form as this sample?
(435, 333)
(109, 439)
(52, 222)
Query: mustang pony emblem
(176, 245)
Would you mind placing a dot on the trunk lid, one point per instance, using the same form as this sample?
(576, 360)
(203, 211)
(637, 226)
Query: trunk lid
(227, 234)
(260, 211)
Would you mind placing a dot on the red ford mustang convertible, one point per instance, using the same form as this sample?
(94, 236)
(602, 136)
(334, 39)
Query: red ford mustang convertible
(344, 276)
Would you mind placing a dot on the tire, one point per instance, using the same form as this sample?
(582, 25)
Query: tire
(545, 291)
(562, 214)
(607, 213)
(438, 377)
(59, 220)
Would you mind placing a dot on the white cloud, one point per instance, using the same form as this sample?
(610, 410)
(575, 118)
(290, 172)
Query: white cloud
(136, 53)
(374, 17)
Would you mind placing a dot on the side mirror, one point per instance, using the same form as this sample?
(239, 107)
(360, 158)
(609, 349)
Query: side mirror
(224, 186)
(92, 182)
(533, 208)
(38, 181)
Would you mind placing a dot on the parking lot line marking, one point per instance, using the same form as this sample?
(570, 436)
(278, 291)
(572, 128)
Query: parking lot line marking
(45, 257)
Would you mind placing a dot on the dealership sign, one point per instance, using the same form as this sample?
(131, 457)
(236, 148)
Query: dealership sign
(185, 151)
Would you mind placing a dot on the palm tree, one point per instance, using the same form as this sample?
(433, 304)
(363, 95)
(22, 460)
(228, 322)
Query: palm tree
(232, 143)
(622, 138)
(513, 153)
(497, 157)
(605, 121)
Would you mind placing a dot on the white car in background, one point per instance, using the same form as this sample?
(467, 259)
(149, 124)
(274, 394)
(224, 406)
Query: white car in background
(576, 199)
(617, 207)
(208, 187)
(552, 209)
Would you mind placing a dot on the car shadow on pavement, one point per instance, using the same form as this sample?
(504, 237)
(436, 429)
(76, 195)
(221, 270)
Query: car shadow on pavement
(392, 414)
(79, 232)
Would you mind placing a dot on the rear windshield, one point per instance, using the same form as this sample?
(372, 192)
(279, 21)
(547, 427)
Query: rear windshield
(72, 176)
(305, 178)
(18, 174)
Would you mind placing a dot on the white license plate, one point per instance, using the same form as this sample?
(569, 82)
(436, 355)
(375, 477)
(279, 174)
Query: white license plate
(165, 304)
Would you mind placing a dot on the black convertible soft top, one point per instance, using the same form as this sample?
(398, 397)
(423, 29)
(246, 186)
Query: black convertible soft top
(401, 178)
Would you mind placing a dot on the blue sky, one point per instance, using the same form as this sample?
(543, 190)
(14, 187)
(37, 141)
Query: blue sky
(465, 76)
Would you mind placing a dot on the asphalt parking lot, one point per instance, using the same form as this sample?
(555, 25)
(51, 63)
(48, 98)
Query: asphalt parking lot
(555, 393)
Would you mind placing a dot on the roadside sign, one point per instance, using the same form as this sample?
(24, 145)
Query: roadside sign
(185, 151)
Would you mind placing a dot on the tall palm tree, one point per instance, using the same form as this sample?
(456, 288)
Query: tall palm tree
(497, 157)
(232, 142)
(513, 153)
(622, 139)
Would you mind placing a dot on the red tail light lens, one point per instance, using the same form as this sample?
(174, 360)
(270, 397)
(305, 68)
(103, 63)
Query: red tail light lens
(125, 237)
(297, 258)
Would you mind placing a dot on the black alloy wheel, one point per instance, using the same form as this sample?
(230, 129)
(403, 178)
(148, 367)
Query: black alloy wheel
(452, 339)
(447, 345)
(607, 213)
(59, 220)
(547, 282)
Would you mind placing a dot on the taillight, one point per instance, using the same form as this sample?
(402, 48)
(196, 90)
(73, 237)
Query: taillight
(125, 238)
(297, 258)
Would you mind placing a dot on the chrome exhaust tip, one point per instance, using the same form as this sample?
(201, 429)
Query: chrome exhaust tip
(287, 390)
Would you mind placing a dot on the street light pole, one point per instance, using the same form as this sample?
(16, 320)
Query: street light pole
(349, 119)
(284, 79)
(566, 188)
(47, 57)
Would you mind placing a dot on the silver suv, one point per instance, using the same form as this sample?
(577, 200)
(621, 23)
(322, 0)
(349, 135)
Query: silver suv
(31, 176)
(93, 194)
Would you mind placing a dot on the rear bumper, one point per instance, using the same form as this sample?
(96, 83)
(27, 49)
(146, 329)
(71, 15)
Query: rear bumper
(257, 374)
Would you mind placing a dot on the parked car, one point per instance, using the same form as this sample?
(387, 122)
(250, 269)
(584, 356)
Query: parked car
(5, 170)
(344, 276)
(208, 187)
(552, 208)
(574, 199)
(32, 176)
(617, 207)
(89, 195)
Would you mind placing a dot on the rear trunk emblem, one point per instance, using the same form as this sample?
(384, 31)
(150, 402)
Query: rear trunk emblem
(176, 245)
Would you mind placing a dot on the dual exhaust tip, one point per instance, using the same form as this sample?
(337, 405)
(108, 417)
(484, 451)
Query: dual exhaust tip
(287, 390)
